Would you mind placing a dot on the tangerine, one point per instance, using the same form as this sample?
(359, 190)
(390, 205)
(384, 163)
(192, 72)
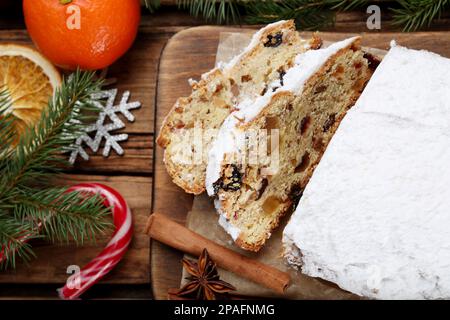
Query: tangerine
(89, 34)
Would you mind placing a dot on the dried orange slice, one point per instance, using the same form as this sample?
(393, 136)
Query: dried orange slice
(30, 81)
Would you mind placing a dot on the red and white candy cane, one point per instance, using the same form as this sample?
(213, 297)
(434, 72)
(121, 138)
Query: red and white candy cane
(77, 284)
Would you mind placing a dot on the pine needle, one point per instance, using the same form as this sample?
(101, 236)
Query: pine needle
(345, 5)
(417, 14)
(38, 153)
(73, 216)
(152, 5)
(308, 14)
(29, 206)
(11, 245)
(220, 11)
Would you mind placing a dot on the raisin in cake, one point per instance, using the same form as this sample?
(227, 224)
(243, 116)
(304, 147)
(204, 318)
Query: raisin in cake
(188, 129)
(298, 114)
(375, 216)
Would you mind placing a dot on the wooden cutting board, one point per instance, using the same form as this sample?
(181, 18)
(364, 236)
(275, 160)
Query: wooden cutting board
(187, 55)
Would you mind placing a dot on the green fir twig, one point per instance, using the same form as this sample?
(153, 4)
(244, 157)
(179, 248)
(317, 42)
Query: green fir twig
(152, 5)
(11, 234)
(308, 14)
(417, 14)
(39, 150)
(30, 207)
(345, 5)
(412, 15)
(74, 216)
(220, 11)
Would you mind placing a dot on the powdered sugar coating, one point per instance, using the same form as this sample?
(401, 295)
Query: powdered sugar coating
(374, 217)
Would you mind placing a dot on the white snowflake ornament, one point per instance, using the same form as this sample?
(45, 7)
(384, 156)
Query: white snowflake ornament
(102, 129)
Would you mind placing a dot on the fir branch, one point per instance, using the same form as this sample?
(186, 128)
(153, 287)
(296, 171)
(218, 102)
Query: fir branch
(417, 14)
(308, 14)
(62, 216)
(152, 5)
(38, 153)
(29, 208)
(345, 5)
(11, 245)
(221, 11)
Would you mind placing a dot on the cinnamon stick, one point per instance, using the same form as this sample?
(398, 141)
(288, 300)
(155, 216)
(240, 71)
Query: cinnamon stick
(169, 232)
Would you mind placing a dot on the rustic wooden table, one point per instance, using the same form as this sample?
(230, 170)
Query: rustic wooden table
(131, 174)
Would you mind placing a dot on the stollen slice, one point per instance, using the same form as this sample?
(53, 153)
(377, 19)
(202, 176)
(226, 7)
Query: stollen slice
(291, 124)
(192, 124)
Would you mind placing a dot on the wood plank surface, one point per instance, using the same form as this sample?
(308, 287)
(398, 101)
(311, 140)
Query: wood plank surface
(187, 55)
(52, 260)
(130, 174)
(138, 153)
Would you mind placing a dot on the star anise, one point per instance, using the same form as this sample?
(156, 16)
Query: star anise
(204, 282)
